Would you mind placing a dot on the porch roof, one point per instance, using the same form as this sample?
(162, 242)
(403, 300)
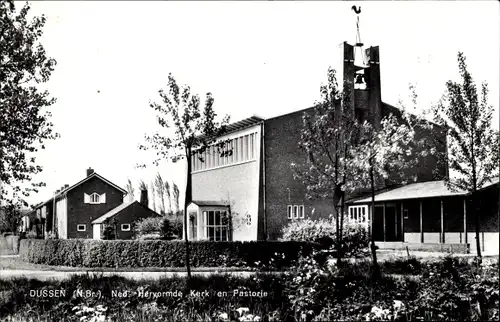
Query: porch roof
(208, 203)
(419, 190)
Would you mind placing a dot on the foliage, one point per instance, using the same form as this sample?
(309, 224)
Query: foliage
(24, 121)
(160, 253)
(327, 134)
(176, 196)
(310, 291)
(473, 144)
(161, 226)
(160, 190)
(193, 131)
(354, 241)
(10, 215)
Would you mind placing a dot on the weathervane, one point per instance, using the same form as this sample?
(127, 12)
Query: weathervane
(359, 44)
(357, 10)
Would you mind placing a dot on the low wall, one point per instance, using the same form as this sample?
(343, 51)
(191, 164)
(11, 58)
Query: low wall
(9, 245)
(429, 247)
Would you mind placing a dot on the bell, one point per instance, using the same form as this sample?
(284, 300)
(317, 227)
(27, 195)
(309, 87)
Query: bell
(359, 79)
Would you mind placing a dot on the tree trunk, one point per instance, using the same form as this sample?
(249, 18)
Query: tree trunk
(376, 268)
(477, 211)
(338, 230)
(187, 200)
(342, 211)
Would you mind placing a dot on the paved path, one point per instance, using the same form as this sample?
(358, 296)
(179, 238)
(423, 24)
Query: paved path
(47, 275)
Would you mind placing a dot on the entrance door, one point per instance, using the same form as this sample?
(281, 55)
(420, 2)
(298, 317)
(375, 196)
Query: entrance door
(378, 224)
(390, 223)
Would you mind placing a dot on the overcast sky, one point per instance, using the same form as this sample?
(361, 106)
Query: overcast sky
(263, 58)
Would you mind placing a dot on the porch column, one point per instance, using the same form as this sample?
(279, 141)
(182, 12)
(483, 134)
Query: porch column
(383, 219)
(442, 222)
(421, 224)
(465, 221)
(402, 225)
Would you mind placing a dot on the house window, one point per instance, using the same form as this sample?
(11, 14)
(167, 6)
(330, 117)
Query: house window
(295, 212)
(215, 226)
(125, 227)
(358, 214)
(405, 214)
(193, 227)
(81, 227)
(94, 198)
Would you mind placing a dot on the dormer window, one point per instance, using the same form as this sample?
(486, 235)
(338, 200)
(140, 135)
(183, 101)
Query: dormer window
(95, 198)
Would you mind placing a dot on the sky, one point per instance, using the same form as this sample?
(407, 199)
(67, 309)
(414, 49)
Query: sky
(256, 58)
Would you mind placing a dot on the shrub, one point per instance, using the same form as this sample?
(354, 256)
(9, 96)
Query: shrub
(162, 226)
(354, 240)
(160, 253)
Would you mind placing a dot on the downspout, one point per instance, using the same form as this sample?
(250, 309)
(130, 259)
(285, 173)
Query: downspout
(263, 156)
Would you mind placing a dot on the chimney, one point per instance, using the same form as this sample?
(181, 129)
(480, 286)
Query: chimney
(89, 171)
(66, 186)
(144, 198)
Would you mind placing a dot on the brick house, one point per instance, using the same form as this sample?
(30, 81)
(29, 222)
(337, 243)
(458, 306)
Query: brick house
(251, 178)
(83, 208)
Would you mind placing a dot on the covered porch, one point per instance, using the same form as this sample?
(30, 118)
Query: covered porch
(428, 216)
(208, 220)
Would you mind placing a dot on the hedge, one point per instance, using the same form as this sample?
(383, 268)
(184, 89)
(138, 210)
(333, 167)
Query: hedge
(161, 253)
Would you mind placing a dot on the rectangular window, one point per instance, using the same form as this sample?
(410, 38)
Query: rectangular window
(193, 227)
(358, 214)
(215, 227)
(295, 212)
(230, 151)
(245, 148)
(240, 149)
(125, 227)
(405, 214)
(235, 151)
(81, 227)
(251, 154)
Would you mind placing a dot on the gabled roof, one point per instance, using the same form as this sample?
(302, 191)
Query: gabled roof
(419, 190)
(208, 203)
(115, 211)
(93, 175)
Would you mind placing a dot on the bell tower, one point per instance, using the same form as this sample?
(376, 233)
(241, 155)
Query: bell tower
(361, 77)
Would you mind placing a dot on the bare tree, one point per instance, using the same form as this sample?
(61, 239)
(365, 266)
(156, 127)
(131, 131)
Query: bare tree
(153, 195)
(169, 199)
(130, 190)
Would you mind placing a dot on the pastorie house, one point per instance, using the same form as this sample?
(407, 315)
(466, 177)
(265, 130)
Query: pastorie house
(83, 209)
(250, 178)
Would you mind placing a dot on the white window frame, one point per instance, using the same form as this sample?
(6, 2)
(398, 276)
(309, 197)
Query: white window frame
(355, 214)
(93, 197)
(215, 226)
(295, 212)
(84, 227)
(129, 227)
